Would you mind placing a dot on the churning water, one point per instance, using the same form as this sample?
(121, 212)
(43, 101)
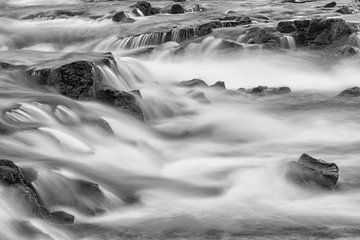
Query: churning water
(207, 162)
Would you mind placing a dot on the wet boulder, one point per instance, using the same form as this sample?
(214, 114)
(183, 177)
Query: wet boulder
(314, 173)
(77, 79)
(146, 8)
(286, 27)
(330, 5)
(319, 31)
(177, 9)
(350, 92)
(193, 83)
(122, 17)
(326, 31)
(15, 179)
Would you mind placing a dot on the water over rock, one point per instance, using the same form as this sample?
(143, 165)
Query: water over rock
(14, 178)
(311, 172)
(81, 79)
(82, 195)
(127, 102)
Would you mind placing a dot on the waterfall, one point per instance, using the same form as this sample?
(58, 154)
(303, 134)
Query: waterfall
(287, 42)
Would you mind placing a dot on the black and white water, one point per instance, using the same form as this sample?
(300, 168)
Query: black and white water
(200, 170)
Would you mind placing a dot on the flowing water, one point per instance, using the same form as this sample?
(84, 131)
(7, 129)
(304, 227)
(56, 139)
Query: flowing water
(200, 170)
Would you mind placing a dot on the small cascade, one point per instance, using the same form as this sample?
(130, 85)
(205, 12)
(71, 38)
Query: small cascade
(157, 38)
(138, 12)
(287, 42)
(124, 73)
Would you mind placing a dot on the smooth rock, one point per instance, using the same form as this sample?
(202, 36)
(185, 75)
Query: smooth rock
(314, 173)
(177, 9)
(350, 92)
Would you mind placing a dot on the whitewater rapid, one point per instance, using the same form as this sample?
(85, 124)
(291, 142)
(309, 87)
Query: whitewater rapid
(198, 167)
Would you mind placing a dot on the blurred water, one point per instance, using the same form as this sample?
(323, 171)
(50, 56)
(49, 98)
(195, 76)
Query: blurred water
(199, 170)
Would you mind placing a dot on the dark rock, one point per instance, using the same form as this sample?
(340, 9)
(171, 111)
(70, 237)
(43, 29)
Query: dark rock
(193, 83)
(122, 17)
(326, 31)
(78, 80)
(219, 85)
(311, 172)
(350, 92)
(286, 27)
(125, 101)
(13, 177)
(330, 5)
(146, 8)
(179, 0)
(318, 32)
(177, 9)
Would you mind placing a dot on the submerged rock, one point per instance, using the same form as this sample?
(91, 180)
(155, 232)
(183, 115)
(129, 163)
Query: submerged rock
(13, 177)
(311, 172)
(350, 92)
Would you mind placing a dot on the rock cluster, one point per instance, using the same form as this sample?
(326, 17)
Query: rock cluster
(14, 178)
(82, 80)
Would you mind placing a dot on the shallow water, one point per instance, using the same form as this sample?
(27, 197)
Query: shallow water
(199, 170)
